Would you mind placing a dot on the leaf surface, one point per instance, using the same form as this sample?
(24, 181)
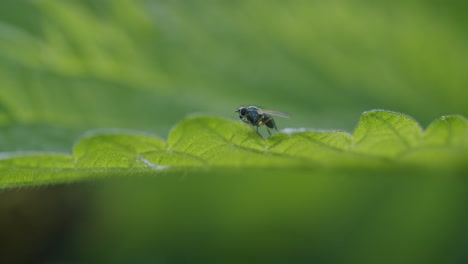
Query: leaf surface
(382, 140)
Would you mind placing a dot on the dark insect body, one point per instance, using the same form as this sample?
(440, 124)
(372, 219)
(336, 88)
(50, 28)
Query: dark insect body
(257, 117)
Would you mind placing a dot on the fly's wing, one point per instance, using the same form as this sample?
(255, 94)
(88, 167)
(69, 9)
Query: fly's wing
(275, 113)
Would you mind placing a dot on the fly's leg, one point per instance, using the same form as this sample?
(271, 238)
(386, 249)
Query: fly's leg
(258, 133)
(243, 120)
(261, 122)
(247, 122)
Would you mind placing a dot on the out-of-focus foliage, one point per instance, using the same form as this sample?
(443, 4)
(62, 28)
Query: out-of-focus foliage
(280, 216)
(67, 66)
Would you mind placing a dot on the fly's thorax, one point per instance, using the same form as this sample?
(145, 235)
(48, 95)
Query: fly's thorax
(252, 114)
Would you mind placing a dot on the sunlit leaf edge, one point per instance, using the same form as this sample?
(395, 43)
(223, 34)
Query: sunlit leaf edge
(239, 147)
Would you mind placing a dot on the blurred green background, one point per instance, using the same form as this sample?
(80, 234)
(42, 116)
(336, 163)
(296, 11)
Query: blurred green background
(70, 66)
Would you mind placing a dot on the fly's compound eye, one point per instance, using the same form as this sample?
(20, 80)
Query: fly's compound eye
(243, 111)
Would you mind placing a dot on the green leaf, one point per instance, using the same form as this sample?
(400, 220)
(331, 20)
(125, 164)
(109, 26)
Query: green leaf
(381, 141)
(44, 161)
(386, 134)
(18, 169)
(220, 142)
(317, 148)
(445, 144)
(448, 131)
(115, 150)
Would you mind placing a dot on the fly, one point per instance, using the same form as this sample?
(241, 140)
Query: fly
(258, 117)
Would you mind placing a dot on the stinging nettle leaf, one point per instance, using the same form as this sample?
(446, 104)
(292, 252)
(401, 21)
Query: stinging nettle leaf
(221, 142)
(382, 139)
(36, 160)
(196, 135)
(171, 158)
(115, 150)
(322, 147)
(447, 131)
(386, 134)
(445, 144)
(34, 168)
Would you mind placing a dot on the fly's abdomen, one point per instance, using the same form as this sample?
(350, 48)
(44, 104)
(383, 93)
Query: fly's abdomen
(270, 123)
